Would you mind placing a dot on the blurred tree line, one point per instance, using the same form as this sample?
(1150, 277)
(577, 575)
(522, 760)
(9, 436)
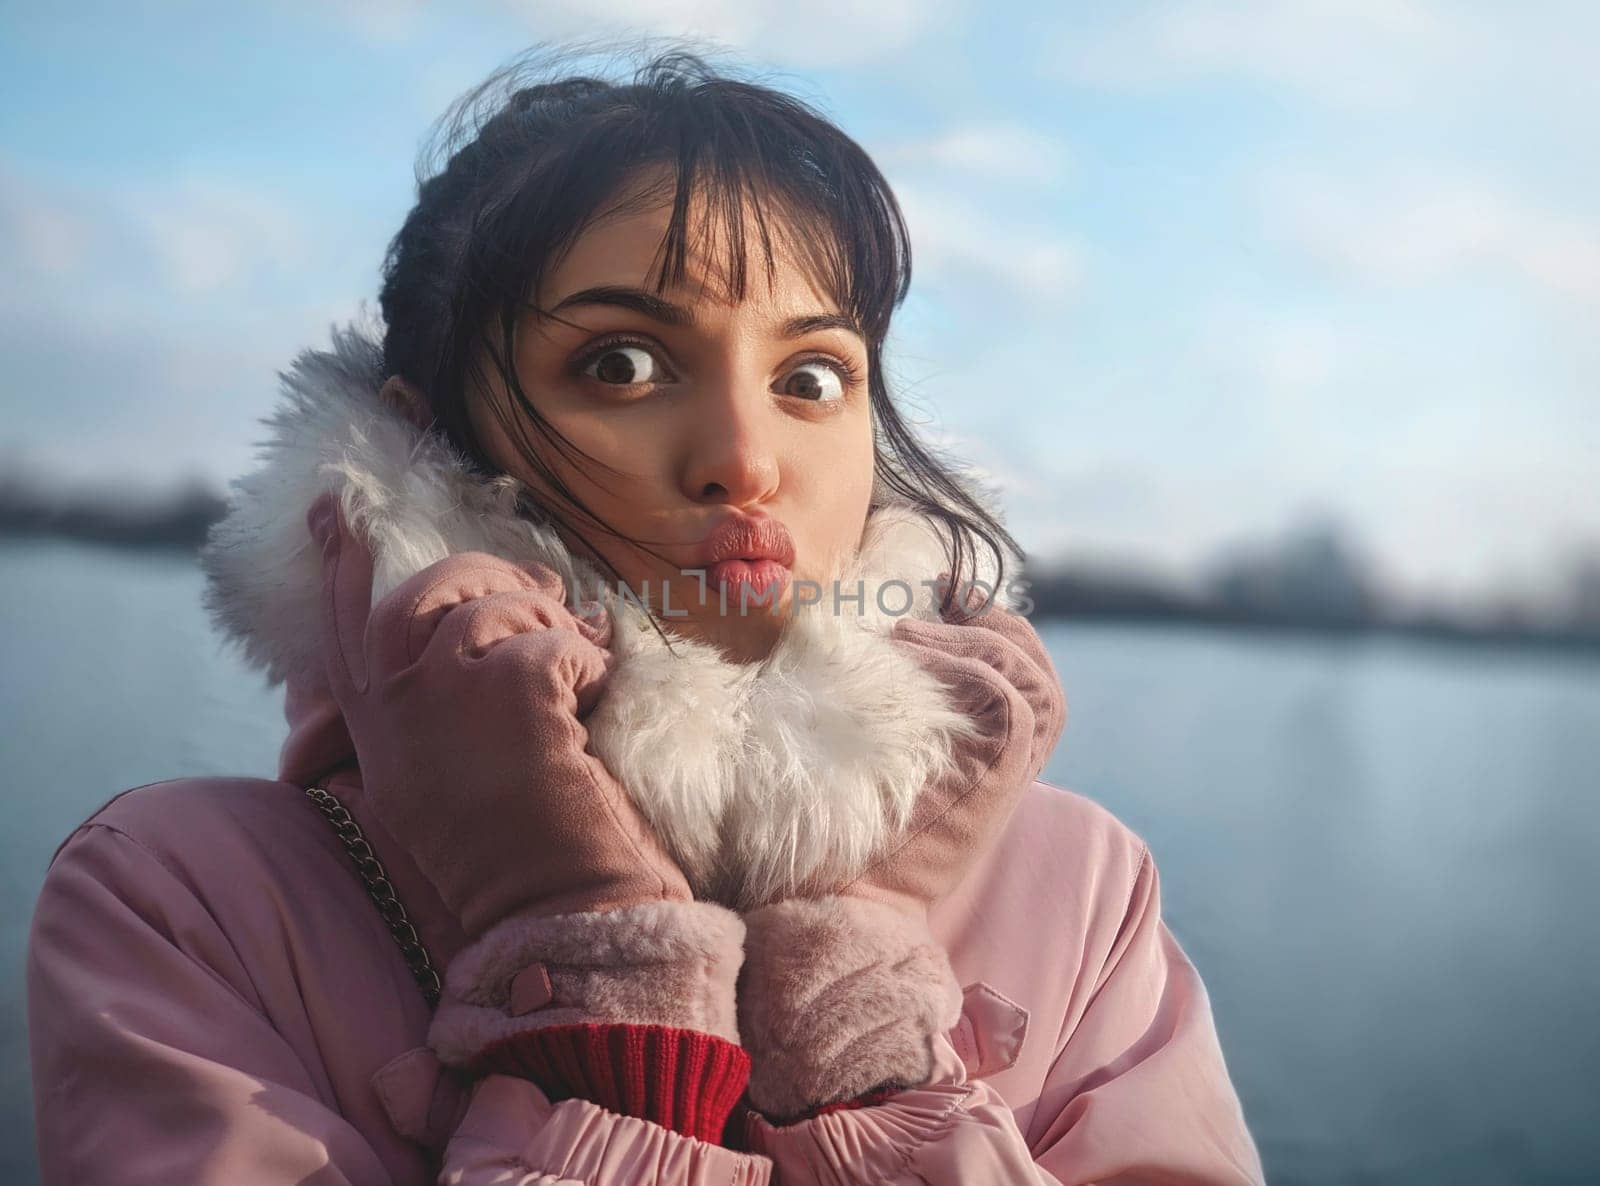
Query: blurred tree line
(1314, 575)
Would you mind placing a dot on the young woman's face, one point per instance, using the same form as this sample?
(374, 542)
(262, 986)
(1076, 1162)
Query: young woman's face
(697, 410)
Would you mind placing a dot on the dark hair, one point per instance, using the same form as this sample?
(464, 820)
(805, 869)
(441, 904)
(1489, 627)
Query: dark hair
(532, 153)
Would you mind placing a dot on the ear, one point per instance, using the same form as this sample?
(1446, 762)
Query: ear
(407, 400)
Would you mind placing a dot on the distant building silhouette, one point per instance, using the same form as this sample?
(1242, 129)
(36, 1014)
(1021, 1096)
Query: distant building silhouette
(1584, 591)
(1312, 573)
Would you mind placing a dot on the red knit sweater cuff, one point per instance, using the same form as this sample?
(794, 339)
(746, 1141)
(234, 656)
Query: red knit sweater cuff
(685, 1080)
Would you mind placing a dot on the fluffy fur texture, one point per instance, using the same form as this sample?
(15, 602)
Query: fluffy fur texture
(839, 995)
(658, 963)
(760, 777)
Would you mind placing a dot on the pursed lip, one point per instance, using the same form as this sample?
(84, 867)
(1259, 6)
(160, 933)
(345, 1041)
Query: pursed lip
(742, 537)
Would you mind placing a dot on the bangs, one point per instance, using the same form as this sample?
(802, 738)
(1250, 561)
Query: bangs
(741, 155)
(742, 165)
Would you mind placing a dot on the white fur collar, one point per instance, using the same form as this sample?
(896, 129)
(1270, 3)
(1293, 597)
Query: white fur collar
(760, 777)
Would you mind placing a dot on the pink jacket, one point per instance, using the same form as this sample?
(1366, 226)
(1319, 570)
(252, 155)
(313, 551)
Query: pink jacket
(213, 996)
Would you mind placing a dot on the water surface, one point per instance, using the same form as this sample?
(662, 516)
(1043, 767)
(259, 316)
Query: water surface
(1379, 854)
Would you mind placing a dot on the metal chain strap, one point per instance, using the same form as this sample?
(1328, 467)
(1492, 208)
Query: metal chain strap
(381, 890)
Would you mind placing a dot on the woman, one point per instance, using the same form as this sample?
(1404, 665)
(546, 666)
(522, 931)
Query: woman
(660, 800)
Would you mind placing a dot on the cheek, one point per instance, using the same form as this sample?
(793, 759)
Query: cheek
(620, 458)
(611, 464)
(838, 490)
(618, 468)
(611, 471)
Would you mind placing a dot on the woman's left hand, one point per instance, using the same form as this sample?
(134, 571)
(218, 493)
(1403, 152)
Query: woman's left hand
(845, 987)
(1000, 678)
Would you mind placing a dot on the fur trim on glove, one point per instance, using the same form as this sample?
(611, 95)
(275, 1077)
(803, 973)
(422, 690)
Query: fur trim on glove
(664, 963)
(839, 995)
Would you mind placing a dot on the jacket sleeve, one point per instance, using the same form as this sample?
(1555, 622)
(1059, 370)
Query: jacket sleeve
(152, 1064)
(1138, 1093)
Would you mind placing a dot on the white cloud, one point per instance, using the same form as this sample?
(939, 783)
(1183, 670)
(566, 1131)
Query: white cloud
(210, 232)
(824, 34)
(1164, 457)
(1415, 229)
(1353, 54)
(45, 233)
(149, 320)
(992, 152)
(187, 238)
(52, 240)
(381, 22)
(1348, 52)
(957, 241)
(1279, 363)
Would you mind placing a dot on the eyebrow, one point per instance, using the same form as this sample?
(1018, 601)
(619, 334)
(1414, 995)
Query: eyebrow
(656, 308)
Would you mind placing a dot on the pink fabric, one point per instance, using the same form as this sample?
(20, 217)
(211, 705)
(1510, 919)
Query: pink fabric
(465, 689)
(687, 1080)
(214, 999)
(514, 1136)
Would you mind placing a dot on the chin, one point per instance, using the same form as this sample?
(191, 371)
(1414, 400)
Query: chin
(747, 639)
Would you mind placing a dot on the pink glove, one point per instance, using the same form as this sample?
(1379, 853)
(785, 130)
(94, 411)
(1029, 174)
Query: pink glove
(843, 991)
(464, 691)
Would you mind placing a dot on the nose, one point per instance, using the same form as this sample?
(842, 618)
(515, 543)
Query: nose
(732, 456)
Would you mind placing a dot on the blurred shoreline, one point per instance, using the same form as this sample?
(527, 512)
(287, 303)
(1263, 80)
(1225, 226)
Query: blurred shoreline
(1312, 579)
(125, 516)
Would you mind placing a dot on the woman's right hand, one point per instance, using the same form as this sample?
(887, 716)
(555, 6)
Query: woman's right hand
(464, 691)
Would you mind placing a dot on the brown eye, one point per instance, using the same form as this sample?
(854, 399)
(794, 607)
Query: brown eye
(623, 365)
(813, 380)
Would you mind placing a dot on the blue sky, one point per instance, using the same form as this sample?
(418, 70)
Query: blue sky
(1188, 271)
